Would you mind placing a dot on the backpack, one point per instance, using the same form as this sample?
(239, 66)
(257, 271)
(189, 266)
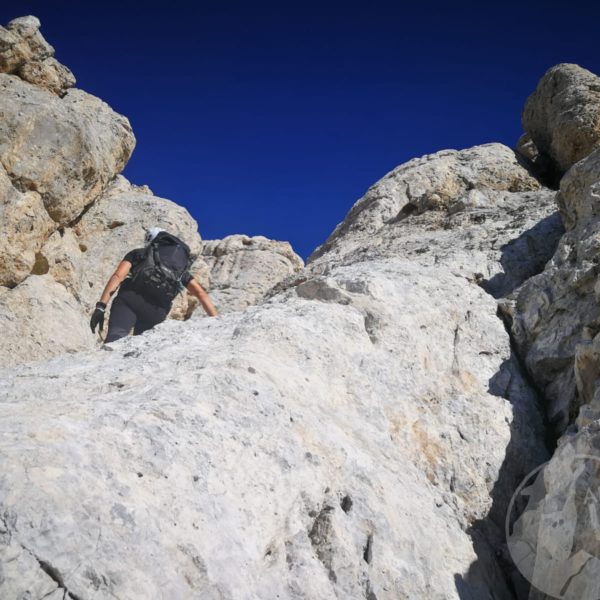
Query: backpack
(159, 273)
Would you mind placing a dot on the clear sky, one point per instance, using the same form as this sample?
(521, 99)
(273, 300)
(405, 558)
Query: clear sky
(273, 118)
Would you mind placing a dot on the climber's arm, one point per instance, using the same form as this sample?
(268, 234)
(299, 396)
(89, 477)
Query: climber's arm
(194, 288)
(115, 280)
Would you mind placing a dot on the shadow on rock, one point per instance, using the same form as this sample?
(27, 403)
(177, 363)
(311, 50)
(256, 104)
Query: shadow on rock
(493, 574)
(526, 256)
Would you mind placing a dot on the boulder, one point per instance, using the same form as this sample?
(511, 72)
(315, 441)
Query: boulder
(21, 42)
(243, 269)
(562, 115)
(66, 149)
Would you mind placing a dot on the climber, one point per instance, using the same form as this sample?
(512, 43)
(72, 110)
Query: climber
(148, 280)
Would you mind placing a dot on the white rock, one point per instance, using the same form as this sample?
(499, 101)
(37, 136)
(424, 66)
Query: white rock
(346, 438)
(223, 449)
(553, 308)
(39, 318)
(242, 269)
(433, 182)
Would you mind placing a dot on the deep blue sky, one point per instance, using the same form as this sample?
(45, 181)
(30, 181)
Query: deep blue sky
(274, 118)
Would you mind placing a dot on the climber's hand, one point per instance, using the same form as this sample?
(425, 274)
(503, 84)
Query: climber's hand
(98, 317)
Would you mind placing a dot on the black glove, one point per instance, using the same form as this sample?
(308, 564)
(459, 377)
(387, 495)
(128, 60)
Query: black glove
(98, 317)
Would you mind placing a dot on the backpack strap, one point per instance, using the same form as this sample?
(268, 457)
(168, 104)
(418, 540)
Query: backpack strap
(155, 260)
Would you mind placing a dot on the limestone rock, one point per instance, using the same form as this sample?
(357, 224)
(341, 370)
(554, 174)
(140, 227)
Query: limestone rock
(554, 308)
(579, 192)
(555, 539)
(494, 233)
(318, 412)
(562, 115)
(24, 226)
(446, 181)
(39, 318)
(317, 417)
(22, 42)
(357, 434)
(65, 149)
(49, 74)
(242, 269)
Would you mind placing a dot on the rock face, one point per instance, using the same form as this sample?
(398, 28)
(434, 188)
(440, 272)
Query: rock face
(447, 181)
(42, 315)
(243, 269)
(272, 460)
(557, 307)
(507, 223)
(357, 433)
(562, 116)
(24, 224)
(67, 149)
(364, 380)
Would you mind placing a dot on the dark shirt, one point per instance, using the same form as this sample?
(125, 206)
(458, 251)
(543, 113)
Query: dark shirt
(135, 257)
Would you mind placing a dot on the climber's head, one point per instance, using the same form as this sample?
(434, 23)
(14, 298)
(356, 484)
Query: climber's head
(151, 234)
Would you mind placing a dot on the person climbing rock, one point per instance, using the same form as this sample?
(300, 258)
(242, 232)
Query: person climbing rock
(148, 280)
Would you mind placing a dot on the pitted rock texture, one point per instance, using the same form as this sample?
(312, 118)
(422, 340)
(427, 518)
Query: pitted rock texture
(38, 319)
(447, 181)
(49, 74)
(66, 149)
(500, 228)
(24, 225)
(21, 42)
(300, 449)
(562, 115)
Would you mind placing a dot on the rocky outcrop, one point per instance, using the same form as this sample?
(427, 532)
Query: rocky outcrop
(553, 309)
(24, 52)
(499, 228)
(265, 452)
(562, 115)
(24, 225)
(243, 269)
(447, 182)
(21, 42)
(66, 149)
(372, 375)
(67, 216)
(553, 537)
(357, 433)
